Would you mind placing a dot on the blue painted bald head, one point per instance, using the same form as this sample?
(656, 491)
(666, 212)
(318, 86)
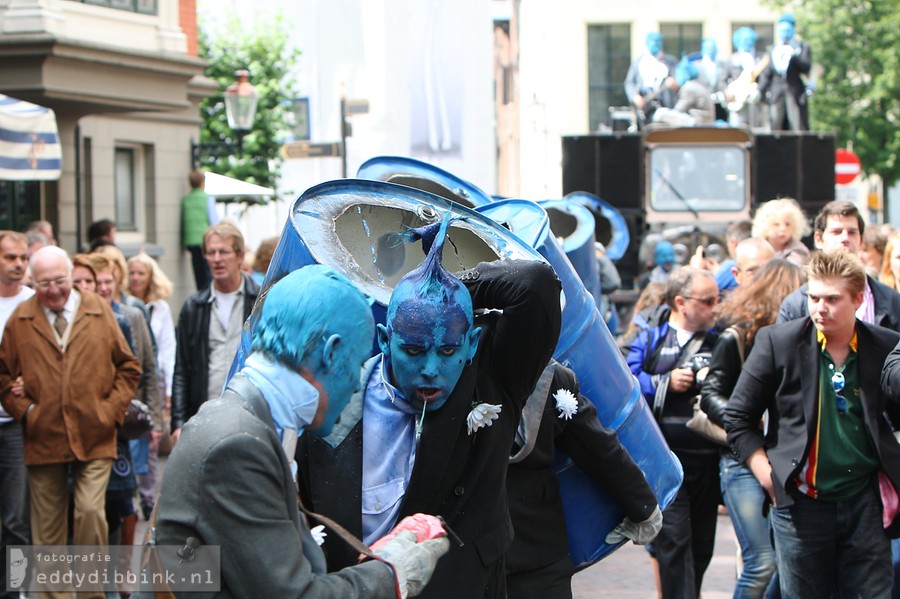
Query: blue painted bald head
(744, 39)
(298, 329)
(654, 42)
(429, 335)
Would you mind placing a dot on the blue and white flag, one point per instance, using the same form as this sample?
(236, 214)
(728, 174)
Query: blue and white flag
(29, 142)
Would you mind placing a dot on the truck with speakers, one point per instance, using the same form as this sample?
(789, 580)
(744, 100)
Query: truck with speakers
(688, 184)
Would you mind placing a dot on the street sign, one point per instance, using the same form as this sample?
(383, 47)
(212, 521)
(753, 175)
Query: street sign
(846, 166)
(305, 149)
(352, 107)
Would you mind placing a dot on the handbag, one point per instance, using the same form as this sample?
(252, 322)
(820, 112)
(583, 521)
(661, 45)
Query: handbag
(701, 424)
(699, 421)
(138, 420)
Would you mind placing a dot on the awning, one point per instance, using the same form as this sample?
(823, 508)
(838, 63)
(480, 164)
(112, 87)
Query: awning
(228, 189)
(29, 142)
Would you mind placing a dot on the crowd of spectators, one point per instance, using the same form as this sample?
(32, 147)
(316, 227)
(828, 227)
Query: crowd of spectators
(693, 329)
(762, 283)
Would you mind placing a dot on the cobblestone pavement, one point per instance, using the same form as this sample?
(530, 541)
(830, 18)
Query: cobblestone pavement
(627, 573)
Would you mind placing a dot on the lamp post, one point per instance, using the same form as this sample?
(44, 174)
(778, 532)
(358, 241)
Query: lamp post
(240, 110)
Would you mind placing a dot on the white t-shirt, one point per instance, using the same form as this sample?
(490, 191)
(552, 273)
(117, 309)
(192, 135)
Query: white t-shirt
(7, 305)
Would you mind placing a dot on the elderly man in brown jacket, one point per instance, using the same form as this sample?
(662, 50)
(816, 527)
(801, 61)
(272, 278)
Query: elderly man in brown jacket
(78, 376)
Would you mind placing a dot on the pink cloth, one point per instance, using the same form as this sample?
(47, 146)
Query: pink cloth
(888, 499)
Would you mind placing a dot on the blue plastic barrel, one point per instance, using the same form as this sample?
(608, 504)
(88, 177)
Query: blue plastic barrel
(573, 225)
(587, 347)
(611, 227)
(403, 170)
(351, 225)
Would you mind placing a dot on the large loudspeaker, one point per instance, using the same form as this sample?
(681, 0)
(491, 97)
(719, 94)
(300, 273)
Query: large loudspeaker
(608, 166)
(795, 165)
(777, 172)
(817, 163)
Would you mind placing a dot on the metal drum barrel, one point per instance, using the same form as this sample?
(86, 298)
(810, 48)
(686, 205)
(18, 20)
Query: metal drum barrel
(587, 347)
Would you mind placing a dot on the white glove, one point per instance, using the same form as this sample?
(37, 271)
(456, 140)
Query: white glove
(413, 562)
(641, 533)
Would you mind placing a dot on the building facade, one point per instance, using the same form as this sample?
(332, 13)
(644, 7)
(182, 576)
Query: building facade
(125, 81)
(570, 64)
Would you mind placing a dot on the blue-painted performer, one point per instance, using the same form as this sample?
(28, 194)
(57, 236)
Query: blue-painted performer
(229, 480)
(740, 80)
(650, 81)
(782, 83)
(432, 429)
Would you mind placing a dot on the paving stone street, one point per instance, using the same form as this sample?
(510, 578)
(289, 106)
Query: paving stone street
(627, 573)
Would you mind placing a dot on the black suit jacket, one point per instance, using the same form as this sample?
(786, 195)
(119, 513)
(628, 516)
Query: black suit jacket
(774, 86)
(458, 476)
(229, 483)
(786, 383)
(534, 501)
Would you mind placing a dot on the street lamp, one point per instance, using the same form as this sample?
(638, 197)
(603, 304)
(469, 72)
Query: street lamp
(240, 109)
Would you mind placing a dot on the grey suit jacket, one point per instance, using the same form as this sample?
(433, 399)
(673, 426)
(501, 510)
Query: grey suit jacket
(228, 483)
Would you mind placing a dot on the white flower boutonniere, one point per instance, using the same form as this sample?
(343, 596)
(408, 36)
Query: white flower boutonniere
(318, 534)
(566, 403)
(481, 415)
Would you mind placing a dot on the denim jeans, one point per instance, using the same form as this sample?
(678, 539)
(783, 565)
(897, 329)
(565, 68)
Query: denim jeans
(832, 549)
(13, 494)
(744, 499)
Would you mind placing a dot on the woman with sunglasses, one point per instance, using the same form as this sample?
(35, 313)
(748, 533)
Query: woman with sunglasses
(749, 308)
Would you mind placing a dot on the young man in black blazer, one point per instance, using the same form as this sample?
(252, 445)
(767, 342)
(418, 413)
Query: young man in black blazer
(827, 441)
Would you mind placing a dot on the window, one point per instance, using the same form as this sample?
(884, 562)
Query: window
(609, 55)
(765, 34)
(147, 7)
(125, 184)
(20, 204)
(680, 39)
(697, 178)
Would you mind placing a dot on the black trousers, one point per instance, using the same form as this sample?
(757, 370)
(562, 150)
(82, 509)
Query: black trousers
(684, 546)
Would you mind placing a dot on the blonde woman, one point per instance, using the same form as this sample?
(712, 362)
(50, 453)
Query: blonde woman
(148, 283)
(890, 265)
(782, 223)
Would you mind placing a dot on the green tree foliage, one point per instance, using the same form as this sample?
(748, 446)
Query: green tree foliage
(265, 51)
(857, 43)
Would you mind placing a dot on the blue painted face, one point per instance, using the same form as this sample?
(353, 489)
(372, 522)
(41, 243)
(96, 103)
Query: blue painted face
(744, 40)
(654, 43)
(709, 48)
(785, 31)
(427, 342)
(664, 254)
